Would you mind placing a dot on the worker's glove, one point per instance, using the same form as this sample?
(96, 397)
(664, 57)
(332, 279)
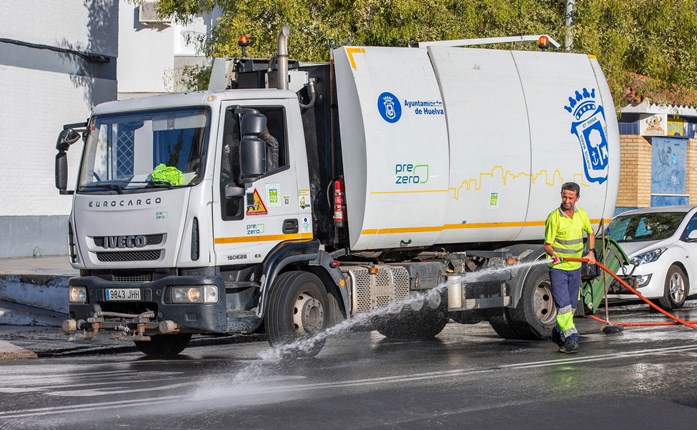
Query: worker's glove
(556, 259)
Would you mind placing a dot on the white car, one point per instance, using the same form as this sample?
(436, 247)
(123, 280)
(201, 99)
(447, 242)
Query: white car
(662, 243)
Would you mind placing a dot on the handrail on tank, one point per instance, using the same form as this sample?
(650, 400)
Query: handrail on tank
(489, 41)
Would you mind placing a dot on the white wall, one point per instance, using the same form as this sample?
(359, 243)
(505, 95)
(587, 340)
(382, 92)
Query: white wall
(40, 90)
(29, 126)
(89, 25)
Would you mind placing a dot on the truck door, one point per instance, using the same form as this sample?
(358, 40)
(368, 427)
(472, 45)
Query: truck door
(250, 218)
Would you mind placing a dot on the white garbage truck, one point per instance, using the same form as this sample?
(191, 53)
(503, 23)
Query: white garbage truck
(291, 196)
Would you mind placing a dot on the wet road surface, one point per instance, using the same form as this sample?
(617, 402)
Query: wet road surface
(467, 378)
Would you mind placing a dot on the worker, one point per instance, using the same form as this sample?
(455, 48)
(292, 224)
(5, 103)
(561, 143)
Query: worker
(564, 229)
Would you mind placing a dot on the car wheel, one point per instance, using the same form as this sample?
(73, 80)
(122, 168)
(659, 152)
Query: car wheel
(675, 289)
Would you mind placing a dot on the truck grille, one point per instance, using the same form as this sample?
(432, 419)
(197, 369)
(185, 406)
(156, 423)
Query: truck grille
(129, 256)
(133, 278)
(389, 285)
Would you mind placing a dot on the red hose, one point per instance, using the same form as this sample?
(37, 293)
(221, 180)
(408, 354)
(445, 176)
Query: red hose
(677, 320)
(639, 324)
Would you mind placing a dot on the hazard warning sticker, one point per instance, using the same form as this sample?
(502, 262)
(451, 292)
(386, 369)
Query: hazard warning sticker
(255, 205)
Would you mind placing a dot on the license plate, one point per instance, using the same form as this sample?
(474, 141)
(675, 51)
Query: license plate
(114, 294)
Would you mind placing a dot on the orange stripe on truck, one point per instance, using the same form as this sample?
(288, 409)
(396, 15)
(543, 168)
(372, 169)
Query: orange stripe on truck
(264, 238)
(430, 229)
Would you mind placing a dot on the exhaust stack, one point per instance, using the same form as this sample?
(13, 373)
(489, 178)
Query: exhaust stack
(282, 59)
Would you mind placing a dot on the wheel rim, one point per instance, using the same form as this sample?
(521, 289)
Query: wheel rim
(676, 288)
(545, 311)
(308, 315)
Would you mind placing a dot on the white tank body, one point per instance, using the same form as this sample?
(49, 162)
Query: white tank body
(446, 145)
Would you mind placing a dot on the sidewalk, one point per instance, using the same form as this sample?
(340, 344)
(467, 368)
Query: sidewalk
(35, 282)
(33, 304)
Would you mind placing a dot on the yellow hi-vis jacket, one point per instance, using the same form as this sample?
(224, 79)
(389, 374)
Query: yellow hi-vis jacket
(565, 234)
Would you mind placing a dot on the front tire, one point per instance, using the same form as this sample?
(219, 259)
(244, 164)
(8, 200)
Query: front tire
(535, 316)
(164, 345)
(296, 310)
(675, 289)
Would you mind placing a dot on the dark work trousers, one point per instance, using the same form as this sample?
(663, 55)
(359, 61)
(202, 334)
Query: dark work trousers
(565, 286)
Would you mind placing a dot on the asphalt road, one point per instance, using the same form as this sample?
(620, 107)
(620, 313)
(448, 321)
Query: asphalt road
(468, 378)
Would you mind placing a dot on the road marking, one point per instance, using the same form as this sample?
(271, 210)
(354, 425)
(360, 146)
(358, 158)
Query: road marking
(25, 413)
(119, 390)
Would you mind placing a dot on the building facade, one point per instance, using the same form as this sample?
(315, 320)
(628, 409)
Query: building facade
(659, 156)
(57, 60)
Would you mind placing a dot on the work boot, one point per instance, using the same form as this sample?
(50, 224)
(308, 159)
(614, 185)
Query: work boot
(556, 338)
(569, 347)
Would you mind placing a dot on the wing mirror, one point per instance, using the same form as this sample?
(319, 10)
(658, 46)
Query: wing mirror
(66, 137)
(252, 148)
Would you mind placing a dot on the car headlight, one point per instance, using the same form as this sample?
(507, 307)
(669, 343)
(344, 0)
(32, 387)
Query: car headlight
(199, 294)
(643, 280)
(77, 294)
(647, 257)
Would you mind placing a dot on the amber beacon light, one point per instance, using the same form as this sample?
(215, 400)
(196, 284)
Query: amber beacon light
(243, 42)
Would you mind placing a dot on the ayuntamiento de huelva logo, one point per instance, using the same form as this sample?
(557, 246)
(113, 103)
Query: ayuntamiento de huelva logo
(590, 128)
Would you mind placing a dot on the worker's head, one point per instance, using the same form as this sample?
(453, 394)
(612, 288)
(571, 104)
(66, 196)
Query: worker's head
(570, 193)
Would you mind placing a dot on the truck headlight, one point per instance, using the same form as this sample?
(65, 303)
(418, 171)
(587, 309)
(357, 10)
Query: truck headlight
(77, 294)
(648, 257)
(199, 294)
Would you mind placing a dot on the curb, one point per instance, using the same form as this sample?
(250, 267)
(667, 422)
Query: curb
(48, 292)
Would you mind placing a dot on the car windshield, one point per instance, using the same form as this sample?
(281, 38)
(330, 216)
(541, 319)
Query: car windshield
(135, 151)
(644, 227)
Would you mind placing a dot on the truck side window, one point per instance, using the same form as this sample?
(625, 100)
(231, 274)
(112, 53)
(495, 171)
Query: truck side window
(275, 138)
(276, 154)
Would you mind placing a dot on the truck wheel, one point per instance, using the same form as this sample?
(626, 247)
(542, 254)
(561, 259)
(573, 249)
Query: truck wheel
(296, 310)
(503, 326)
(164, 345)
(424, 324)
(536, 314)
(675, 289)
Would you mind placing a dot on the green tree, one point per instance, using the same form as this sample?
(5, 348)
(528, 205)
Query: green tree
(645, 47)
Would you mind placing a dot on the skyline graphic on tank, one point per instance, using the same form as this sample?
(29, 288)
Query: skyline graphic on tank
(590, 129)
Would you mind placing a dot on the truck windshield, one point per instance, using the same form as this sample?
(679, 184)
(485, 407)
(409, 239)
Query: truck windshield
(136, 151)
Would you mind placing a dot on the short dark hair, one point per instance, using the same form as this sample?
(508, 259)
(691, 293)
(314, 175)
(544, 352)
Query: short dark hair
(571, 186)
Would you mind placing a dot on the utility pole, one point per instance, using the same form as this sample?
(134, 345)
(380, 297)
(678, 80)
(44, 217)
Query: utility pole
(569, 22)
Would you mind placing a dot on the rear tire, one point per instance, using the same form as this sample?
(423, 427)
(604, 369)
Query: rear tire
(503, 326)
(415, 325)
(297, 310)
(676, 289)
(164, 345)
(536, 314)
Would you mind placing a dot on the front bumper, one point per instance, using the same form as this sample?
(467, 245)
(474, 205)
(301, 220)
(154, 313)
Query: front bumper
(650, 282)
(153, 314)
